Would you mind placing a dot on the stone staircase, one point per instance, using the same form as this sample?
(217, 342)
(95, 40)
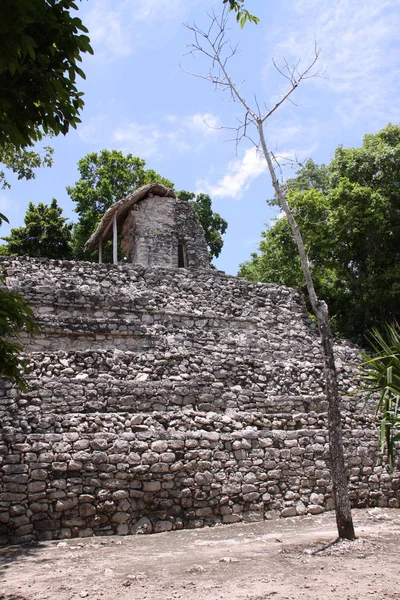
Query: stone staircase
(165, 398)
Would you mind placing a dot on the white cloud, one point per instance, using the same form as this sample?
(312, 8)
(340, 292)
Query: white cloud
(178, 134)
(360, 51)
(5, 203)
(205, 123)
(92, 132)
(150, 139)
(118, 27)
(238, 177)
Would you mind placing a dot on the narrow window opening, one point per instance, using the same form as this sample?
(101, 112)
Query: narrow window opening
(182, 258)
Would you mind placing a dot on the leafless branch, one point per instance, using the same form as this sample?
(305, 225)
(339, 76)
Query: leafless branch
(295, 77)
(214, 45)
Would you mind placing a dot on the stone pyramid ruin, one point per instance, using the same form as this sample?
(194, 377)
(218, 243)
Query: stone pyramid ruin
(163, 397)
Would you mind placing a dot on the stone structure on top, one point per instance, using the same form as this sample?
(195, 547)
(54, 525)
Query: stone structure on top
(158, 230)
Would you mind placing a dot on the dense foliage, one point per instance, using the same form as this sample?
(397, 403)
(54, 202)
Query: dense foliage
(41, 43)
(45, 234)
(382, 374)
(105, 178)
(213, 224)
(14, 315)
(349, 215)
(40, 46)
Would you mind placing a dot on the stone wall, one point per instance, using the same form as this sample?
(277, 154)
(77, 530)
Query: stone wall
(156, 225)
(162, 399)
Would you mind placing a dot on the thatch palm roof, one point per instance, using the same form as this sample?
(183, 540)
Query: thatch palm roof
(121, 209)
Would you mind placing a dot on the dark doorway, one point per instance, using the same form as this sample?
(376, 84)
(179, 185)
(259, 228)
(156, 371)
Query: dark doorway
(182, 260)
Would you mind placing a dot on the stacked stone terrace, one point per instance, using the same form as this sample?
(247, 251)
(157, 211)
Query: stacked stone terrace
(162, 399)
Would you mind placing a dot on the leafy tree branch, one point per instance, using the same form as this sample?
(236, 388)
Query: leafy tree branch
(14, 315)
(242, 14)
(23, 162)
(41, 43)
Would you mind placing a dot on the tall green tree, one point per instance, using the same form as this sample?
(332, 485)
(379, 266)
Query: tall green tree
(41, 43)
(105, 178)
(46, 233)
(213, 224)
(349, 213)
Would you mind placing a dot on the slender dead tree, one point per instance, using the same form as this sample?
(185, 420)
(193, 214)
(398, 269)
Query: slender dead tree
(214, 46)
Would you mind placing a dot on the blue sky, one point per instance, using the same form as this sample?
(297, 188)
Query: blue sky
(139, 100)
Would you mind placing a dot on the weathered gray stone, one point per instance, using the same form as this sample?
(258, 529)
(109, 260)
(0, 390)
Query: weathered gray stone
(120, 517)
(161, 526)
(315, 509)
(86, 510)
(143, 525)
(171, 396)
(159, 446)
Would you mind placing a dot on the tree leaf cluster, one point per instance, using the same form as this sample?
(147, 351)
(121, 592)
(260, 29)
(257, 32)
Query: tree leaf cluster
(349, 214)
(23, 162)
(46, 234)
(242, 14)
(41, 44)
(14, 316)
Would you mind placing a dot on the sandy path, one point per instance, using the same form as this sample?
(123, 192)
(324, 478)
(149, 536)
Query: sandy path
(257, 561)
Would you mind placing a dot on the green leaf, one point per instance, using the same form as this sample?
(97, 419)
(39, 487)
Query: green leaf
(40, 43)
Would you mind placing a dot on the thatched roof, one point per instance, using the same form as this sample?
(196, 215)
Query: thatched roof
(121, 209)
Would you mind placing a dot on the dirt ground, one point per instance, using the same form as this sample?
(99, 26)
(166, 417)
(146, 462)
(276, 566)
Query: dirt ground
(285, 559)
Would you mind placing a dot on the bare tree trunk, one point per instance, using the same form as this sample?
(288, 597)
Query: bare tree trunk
(338, 470)
(340, 488)
(216, 47)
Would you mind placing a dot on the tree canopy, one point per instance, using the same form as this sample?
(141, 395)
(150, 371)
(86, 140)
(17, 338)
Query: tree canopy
(105, 178)
(45, 234)
(41, 43)
(349, 213)
(213, 224)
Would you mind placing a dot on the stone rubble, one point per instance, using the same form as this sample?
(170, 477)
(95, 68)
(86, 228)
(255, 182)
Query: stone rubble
(167, 398)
